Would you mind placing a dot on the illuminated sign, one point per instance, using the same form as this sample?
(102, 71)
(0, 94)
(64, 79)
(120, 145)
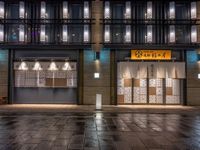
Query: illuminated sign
(151, 55)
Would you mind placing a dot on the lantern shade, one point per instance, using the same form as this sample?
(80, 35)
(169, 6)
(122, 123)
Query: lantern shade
(66, 66)
(23, 66)
(37, 66)
(53, 67)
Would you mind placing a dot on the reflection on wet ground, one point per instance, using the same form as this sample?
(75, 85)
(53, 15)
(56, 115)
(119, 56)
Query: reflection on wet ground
(99, 131)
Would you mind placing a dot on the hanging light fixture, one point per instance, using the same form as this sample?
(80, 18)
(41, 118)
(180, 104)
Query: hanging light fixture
(66, 66)
(23, 66)
(53, 66)
(37, 66)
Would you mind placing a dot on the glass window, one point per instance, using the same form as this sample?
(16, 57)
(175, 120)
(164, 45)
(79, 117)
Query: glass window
(118, 11)
(13, 11)
(117, 33)
(182, 34)
(182, 11)
(12, 33)
(76, 11)
(75, 33)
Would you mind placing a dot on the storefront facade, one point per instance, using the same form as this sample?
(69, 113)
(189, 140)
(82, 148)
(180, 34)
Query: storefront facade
(131, 52)
(150, 81)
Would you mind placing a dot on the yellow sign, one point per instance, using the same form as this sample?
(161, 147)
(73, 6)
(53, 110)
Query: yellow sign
(151, 55)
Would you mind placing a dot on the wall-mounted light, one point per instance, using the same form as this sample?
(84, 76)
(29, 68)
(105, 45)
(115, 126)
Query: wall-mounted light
(96, 75)
(86, 33)
(37, 66)
(128, 34)
(193, 10)
(172, 34)
(198, 75)
(23, 66)
(149, 33)
(194, 34)
(2, 11)
(53, 66)
(65, 33)
(43, 10)
(128, 10)
(107, 33)
(1, 33)
(42, 33)
(149, 10)
(171, 10)
(107, 10)
(86, 10)
(21, 10)
(65, 9)
(96, 55)
(21, 33)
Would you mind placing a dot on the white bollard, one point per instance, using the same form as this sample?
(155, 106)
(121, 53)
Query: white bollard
(98, 101)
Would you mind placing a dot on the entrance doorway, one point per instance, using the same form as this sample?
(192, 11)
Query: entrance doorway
(140, 83)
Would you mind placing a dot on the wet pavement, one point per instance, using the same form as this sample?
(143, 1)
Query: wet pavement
(99, 131)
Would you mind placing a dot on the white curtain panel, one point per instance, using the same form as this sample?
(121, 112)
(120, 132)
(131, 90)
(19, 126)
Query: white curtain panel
(155, 70)
(180, 67)
(161, 70)
(152, 70)
(143, 70)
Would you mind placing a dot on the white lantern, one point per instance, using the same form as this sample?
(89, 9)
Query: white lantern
(107, 33)
(128, 34)
(86, 33)
(149, 34)
(43, 10)
(65, 10)
(42, 33)
(65, 33)
(86, 10)
(128, 10)
(1, 33)
(172, 34)
(194, 34)
(149, 10)
(21, 10)
(193, 10)
(107, 10)
(172, 10)
(21, 33)
(2, 10)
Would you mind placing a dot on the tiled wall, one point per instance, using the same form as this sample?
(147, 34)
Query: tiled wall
(3, 73)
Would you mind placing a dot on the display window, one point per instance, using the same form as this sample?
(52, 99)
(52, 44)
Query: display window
(45, 74)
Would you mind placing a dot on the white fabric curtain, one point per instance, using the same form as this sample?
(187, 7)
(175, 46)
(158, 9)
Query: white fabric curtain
(152, 70)
(143, 70)
(180, 70)
(161, 70)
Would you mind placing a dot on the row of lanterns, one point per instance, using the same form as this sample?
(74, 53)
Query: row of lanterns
(37, 66)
